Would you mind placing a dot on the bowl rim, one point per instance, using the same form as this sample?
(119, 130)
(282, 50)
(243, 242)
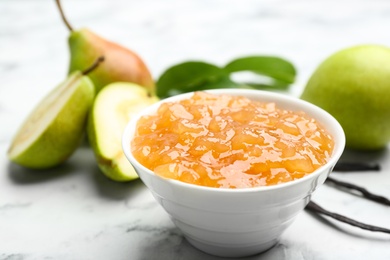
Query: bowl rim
(338, 149)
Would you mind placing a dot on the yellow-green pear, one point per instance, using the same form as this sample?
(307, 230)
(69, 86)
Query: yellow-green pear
(353, 85)
(121, 64)
(54, 129)
(113, 107)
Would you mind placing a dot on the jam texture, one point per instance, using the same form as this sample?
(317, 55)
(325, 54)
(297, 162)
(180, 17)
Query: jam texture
(227, 141)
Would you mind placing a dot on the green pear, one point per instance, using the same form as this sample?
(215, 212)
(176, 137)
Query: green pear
(121, 64)
(354, 86)
(113, 107)
(54, 129)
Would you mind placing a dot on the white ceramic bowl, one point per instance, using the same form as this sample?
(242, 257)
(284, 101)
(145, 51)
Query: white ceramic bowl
(237, 222)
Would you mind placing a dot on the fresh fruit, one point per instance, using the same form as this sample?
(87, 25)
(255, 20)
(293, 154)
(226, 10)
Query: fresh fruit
(112, 109)
(354, 86)
(121, 64)
(54, 129)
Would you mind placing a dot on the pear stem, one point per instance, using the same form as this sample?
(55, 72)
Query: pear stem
(63, 16)
(93, 66)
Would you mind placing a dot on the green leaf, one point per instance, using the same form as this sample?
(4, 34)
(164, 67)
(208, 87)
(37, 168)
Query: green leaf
(188, 76)
(273, 85)
(197, 75)
(215, 83)
(274, 67)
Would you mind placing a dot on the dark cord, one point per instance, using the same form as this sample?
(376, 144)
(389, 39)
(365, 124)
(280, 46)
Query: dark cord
(355, 167)
(314, 207)
(366, 194)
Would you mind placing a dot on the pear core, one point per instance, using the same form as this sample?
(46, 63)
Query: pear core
(114, 106)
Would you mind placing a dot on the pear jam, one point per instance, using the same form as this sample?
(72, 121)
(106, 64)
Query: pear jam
(230, 142)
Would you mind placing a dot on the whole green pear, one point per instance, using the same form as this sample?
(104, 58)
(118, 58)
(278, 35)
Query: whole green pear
(120, 64)
(354, 86)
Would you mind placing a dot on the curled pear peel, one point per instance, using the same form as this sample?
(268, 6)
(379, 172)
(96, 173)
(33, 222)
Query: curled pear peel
(113, 107)
(121, 64)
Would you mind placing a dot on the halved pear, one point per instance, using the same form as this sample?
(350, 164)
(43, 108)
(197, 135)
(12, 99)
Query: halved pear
(114, 106)
(54, 129)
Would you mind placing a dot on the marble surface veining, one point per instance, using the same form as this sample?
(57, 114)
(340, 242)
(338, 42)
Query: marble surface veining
(74, 212)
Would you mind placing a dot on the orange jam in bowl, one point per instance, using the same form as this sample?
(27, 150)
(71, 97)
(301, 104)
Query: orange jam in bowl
(227, 141)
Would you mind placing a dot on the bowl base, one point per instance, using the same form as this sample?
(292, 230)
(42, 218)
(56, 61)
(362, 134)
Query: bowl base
(229, 251)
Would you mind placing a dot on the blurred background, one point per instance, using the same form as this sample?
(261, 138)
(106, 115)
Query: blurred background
(34, 58)
(33, 38)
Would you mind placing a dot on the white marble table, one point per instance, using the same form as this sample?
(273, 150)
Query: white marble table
(74, 212)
